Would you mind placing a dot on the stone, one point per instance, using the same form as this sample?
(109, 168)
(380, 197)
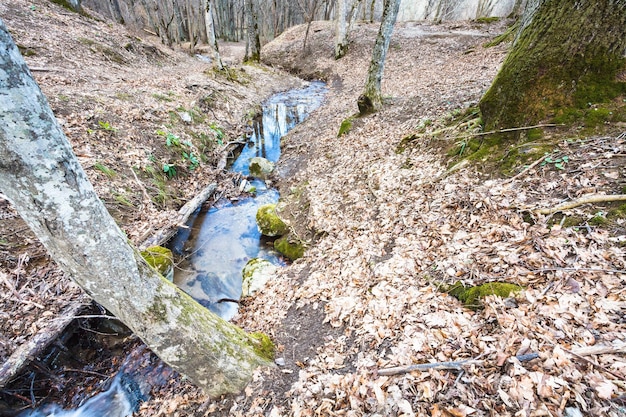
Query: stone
(268, 221)
(292, 249)
(255, 275)
(261, 167)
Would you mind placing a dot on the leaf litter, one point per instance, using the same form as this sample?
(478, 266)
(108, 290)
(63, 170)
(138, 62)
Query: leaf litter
(392, 227)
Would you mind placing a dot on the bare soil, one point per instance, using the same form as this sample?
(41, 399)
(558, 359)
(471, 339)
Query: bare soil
(388, 223)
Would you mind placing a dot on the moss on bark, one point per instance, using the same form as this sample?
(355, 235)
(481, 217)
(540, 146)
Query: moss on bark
(570, 56)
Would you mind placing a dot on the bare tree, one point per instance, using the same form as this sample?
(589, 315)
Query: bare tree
(341, 30)
(210, 31)
(44, 181)
(253, 41)
(371, 99)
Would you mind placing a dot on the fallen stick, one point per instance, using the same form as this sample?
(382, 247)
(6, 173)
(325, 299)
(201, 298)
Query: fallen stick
(35, 346)
(593, 198)
(185, 211)
(445, 366)
(528, 168)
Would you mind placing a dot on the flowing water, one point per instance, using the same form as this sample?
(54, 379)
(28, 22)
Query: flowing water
(216, 245)
(219, 243)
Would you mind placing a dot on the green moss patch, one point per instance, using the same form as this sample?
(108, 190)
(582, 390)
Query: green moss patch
(292, 249)
(263, 345)
(161, 259)
(346, 126)
(268, 221)
(471, 296)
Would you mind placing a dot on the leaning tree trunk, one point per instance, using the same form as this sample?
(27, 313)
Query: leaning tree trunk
(43, 179)
(210, 33)
(371, 99)
(567, 56)
(341, 30)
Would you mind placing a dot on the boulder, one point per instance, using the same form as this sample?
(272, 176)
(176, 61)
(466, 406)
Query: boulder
(268, 221)
(261, 167)
(255, 275)
(291, 248)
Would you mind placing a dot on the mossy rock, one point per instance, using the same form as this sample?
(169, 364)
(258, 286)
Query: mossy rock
(261, 167)
(255, 275)
(471, 296)
(268, 221)
(161, 259)
(292, 249)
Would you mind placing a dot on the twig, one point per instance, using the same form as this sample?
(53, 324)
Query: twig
(580, 353)
(141, 186)
(594, 198)
(528, 168)
(515, 129)
(441, 366)
(615, 271)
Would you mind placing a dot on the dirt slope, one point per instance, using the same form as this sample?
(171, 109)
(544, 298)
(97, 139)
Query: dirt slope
(392, 228)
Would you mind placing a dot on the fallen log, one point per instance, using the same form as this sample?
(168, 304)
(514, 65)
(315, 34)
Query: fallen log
(165, 234)
(36, 345)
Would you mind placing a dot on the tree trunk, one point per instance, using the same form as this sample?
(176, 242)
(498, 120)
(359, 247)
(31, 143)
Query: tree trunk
(191, 30)
(341, 30)
(253, 44)
(567, 56)
(371, 99)
(310, 19)
(210, 33)
(43, 179)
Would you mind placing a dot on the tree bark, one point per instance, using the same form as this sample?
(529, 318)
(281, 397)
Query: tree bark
(567, 56)
(371, 99)
(43, 179)
(341, 30)
(210, 33)
(253, 43)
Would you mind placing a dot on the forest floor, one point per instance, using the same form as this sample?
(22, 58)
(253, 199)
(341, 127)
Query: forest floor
(391, 223)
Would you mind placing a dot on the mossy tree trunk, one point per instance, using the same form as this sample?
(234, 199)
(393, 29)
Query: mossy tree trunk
(43, 179)
(567, 56)
(371, 99)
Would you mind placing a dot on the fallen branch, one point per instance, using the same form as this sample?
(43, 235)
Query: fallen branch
(185, 211)
(445, 366)
(594, 198)
(606, 270)
(516, 129)
(35, 346)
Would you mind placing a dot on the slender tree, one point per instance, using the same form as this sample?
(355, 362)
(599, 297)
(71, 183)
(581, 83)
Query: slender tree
(341, 30)
(44, 181)
(210, 32)
(253, 41)
(371, 99)
(567, 56)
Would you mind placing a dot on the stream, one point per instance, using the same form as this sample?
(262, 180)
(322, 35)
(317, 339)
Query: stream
(215, 246)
